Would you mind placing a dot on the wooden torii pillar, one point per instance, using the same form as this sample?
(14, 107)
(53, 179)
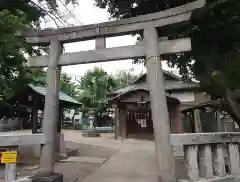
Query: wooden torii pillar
(150, 48)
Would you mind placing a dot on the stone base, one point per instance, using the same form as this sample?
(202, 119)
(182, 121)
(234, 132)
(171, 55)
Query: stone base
(68, 153)
(56, 177)
(71, 152)
(59, 157)
(90, 134)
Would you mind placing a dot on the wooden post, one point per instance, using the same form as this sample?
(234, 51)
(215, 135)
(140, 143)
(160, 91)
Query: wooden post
(197, 121)
(160, 116)
(123, 127)
(117, 123)
(219, 121)
(50, 112)
(34, 115)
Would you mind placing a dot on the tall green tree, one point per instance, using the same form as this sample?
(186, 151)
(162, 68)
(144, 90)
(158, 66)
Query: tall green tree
(68, 86)
(214, 59)
(124, 77)
(13, 49)
(37, 76)
(95, 84)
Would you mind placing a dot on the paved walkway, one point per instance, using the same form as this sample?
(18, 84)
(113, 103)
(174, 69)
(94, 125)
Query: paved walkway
(134, 162)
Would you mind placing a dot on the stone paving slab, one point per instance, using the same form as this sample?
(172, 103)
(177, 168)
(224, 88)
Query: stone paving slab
(88, 150)
(75, 171)
(132, 163)
(96, 160)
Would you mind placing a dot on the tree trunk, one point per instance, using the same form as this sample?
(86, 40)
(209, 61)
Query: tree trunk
(231, 106)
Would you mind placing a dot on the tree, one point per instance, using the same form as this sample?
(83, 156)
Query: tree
(124, 77)
(37, 76)
(67, 85)
(214, 59)
(95, 84)
(13, 49)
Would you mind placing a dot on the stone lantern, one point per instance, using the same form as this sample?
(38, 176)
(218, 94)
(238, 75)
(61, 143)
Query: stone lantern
(91, 117)
(91, 130)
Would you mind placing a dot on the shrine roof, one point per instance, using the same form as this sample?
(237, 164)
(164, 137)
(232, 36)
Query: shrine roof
(212, 103)
(128, 88)
(137, 87)
(62, 96)
(168, 74)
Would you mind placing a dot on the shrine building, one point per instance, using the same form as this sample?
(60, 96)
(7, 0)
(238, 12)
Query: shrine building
(133, 109)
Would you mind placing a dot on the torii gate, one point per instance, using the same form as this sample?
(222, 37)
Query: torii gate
(150, 48)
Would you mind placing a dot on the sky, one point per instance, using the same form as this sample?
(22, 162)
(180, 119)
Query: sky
(86, 13)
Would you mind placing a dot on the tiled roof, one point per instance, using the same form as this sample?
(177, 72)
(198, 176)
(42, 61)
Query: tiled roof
(166, 73)
(175, 85)
(62, 96)
(135, 87)
(128, 88)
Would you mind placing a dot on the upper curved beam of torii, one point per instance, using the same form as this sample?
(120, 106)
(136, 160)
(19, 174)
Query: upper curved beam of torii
(113, 28)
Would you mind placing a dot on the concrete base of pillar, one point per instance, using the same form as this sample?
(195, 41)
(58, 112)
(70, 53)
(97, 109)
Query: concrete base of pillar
(119, 138)
(56, 177)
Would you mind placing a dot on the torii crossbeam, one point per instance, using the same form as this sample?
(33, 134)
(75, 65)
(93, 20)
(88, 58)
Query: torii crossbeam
(150, 48)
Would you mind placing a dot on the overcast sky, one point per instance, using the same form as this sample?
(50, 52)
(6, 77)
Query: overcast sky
(86, 13)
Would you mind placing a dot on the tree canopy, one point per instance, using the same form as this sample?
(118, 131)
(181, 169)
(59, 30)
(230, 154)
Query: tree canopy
(124, 77)
(214, 59)
(97, 83)
(13, 49)
(37, 76)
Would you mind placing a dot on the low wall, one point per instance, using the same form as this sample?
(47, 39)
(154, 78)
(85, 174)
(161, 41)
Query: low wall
(209, 156)
(10, 124)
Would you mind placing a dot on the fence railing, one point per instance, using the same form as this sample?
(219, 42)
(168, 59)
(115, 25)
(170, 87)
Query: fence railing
(8, 124)
(11, 142)
(210, 156)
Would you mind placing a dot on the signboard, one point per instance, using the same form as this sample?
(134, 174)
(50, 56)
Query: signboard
(9, 157)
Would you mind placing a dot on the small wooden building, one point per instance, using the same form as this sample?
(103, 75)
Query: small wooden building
(33, 98)
(133, 111)
(208, 117)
